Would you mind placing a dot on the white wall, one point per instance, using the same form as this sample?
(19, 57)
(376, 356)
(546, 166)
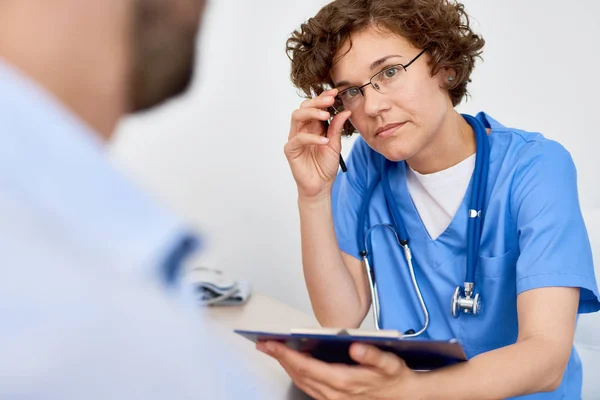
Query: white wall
(216, 155)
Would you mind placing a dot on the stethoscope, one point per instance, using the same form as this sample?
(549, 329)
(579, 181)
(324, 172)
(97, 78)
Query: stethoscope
(464, 298)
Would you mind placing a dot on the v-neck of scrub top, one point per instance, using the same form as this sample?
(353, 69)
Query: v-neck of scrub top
(431, 252)
(453, 240)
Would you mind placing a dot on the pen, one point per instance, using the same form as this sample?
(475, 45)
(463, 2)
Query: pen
(326, 125)
(342, 163)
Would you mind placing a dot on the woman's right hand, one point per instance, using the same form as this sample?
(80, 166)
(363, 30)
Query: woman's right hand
(313, 157)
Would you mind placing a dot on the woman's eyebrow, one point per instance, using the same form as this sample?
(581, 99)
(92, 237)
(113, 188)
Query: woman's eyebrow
(373, 65)
(377, 63)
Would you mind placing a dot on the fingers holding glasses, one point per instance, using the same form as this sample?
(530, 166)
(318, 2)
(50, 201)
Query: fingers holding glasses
(309, 114)
(324, 100)
(335, 130)
(312, 113)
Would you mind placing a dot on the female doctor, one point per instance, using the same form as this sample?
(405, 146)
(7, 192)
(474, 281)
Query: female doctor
(489, 213)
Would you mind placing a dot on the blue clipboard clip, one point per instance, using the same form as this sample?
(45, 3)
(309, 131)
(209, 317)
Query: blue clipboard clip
(333, 345)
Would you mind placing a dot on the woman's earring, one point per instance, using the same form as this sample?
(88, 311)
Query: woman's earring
(451, 78)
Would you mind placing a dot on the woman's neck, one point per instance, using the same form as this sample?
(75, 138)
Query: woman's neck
(452, 144)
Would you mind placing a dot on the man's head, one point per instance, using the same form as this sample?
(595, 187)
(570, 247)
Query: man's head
(103, 59)
(163, 49)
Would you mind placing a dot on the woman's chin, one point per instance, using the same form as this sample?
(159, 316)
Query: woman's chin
(396, 153)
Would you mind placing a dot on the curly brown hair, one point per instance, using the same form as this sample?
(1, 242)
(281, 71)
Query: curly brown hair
(440, 26)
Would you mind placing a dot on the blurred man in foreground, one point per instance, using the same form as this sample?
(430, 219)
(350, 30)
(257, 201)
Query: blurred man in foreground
(90, 265)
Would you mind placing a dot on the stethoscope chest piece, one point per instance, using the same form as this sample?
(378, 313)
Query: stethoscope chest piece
(463, 300)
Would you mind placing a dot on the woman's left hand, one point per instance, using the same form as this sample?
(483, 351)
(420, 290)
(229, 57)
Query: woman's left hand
(379, 375)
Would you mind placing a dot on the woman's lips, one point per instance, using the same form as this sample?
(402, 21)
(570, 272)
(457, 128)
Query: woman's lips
(388, 130)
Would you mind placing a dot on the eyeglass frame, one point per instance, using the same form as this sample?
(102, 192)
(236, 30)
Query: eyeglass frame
(360, 88)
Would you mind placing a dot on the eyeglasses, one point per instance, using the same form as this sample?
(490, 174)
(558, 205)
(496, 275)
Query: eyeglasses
(384, 82)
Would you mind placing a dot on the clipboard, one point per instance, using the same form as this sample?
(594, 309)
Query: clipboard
(333, 345)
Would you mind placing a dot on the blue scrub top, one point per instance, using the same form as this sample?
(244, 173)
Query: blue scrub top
(533, 236)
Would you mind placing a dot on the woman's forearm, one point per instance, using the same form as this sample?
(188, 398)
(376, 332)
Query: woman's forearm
(331, 287)
(529, 366)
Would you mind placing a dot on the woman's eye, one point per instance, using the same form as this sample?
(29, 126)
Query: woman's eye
(350, 93)
(391, 72)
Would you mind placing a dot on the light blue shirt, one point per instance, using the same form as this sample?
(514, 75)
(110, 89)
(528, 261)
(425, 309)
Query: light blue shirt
(533, 236)
(85, 309)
